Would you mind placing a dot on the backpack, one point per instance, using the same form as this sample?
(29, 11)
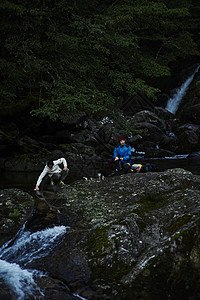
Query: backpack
(139, 168)
(148, 168)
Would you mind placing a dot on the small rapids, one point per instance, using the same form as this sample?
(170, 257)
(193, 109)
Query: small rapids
(28, 247)
(20, 282)
(23, 249)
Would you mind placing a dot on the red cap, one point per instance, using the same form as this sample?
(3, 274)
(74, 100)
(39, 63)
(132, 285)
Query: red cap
(121, 137)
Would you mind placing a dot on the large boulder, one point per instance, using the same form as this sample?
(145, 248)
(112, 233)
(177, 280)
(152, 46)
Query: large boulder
(150, 132)
(186, 142)
(163, 114)
(148, 117)
(133, 237)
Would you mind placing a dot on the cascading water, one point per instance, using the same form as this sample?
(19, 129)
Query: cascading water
(174, 102)
(19, 282)
(19, 252)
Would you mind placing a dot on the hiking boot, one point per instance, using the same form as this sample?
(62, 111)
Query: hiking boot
(52, 183)
(62, 184)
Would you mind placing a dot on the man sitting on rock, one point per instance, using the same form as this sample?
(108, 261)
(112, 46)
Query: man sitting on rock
(53, 171)
(122, 156)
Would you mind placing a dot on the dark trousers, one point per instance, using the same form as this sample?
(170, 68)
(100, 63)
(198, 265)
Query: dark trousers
(119, 166)
(56, 177)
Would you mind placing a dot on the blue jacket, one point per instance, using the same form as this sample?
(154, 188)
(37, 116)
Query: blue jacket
(123, 151)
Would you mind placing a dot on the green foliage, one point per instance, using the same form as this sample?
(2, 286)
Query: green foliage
(85, 55)
(67, 99)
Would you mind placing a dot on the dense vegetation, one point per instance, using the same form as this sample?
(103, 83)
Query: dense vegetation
(66, 55)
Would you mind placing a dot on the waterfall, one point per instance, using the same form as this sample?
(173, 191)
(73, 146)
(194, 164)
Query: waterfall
(23, 249)
(174, 102)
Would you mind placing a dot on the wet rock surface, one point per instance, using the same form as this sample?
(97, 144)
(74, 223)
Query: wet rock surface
(135, 236)
(15, 207)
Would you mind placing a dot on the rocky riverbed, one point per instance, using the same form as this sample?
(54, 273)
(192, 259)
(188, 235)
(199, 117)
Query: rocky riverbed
(134, 236)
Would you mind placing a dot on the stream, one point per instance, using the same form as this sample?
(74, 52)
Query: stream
(25, 247)
(17, 254)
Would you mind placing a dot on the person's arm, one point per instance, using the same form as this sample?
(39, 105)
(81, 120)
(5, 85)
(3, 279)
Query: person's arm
(115, 156)
(61, 160)
(44, 172)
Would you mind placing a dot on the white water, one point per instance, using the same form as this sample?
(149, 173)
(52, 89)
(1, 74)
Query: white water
(78, 296)
(174, 102)
(23, 249)
(20, 282)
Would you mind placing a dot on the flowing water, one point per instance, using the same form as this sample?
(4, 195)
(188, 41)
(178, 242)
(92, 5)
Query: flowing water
(20, 282)
(18, 253)
(174, 102)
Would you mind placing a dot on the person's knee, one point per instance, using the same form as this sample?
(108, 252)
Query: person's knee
(55, 177)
